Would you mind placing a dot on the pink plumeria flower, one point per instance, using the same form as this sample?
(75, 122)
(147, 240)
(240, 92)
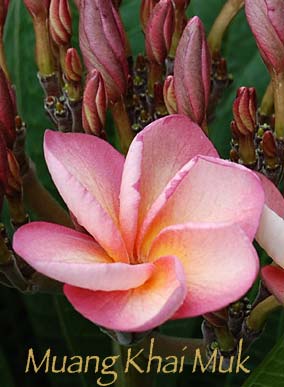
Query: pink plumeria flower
(170, 227)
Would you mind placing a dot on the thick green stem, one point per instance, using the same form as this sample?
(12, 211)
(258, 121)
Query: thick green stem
(259, 315)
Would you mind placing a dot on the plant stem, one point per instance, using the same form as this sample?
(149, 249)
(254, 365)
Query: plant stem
(259, 315)
(122, 124)
(278, 85)
(222, 22)
(267, 103)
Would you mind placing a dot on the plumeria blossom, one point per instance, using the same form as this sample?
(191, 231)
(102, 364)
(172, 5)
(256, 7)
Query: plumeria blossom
(170, 228)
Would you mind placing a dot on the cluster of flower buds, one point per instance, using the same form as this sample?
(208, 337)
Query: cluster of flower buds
(253, 141)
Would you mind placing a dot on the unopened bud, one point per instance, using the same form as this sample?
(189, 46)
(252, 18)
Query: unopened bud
(73, 66)
(94, 104)
(146, 9)
(169, 95)
(244, 110)
(60, 22)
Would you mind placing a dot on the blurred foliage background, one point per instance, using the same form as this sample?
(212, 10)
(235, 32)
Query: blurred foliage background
(44, 321)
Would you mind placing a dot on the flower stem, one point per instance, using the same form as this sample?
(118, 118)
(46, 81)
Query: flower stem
(259, 315)
(267, 103)
(222, 22)
(278, 85)
(122, 124)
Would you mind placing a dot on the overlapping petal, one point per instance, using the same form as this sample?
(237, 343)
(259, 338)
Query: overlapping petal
(75, 258)
(219, 261)
(87, 172)
(207, 190)
(154, 157)
(139, 309)
(273, 278)
(270, 235)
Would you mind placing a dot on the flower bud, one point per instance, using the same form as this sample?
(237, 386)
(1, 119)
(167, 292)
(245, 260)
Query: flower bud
(7, 111)
(94, 104)
(169, 95)
(159, 32)
(146, 9)
(60, 22)
(73, 66)
(273, 278)
(103, 44)
(37, 8)
(192, 72)
(265, 18)
(244, 110)
(269, 145)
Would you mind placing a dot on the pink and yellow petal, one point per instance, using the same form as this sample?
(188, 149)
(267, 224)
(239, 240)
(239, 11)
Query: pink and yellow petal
(136, 310)
(75, 258)
(87, 173)
(208, 190)
(273, 278)
(219, 261)
(154, 157)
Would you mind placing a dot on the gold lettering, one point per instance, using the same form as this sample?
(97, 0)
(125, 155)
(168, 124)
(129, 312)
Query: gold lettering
(31, 358)
(198, 358)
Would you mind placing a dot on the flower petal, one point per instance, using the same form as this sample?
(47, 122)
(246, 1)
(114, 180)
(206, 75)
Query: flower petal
(207, 190)
(154, 157)
(139, 309)
(87, 172)
(219, 261)
(273, 197)
(75, 258)
(273, 278)
(270, 235)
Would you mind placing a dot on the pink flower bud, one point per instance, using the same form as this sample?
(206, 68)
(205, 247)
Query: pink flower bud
(103, 44)
(159, 32)
(169, 95)
(37, 8)
(244, 110)
(73, 65)
(265, 18)
(60, 22)
(7, 111)
(269, 145)
(146, 9)
(94, 104)
(192, 72)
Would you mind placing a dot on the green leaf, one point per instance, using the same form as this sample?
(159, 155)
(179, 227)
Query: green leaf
(270, 372)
